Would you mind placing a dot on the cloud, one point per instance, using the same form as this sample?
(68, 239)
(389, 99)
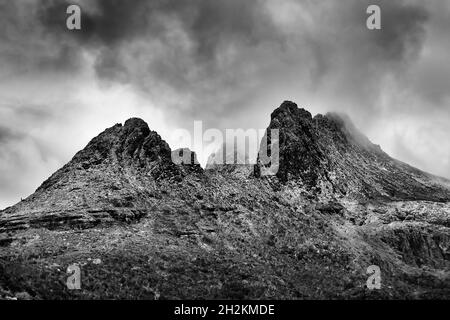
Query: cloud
(192, 50)
(192, 56)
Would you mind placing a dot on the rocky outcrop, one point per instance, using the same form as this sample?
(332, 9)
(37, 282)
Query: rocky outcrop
(329, 156)
(115, 177)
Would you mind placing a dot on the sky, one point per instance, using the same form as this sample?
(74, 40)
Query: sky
(227, 63)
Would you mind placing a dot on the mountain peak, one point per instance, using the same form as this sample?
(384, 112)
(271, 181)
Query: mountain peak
(329, 155)
(289, 109)
(132, 144)
(135, 123)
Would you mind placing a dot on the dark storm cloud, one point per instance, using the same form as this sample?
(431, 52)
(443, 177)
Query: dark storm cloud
(355, 60)
(104, 22)
(113, 22)
(182, 41)
(213, 54)
(178, 47)
(6, 134)
(403, 30)
(25, 47)
(181, 45)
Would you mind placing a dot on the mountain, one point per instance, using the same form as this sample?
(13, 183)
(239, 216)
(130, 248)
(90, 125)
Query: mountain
(306, 225)
(329, 155)
(114, 178)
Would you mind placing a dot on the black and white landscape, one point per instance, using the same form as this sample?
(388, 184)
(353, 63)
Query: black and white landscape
(353, 204)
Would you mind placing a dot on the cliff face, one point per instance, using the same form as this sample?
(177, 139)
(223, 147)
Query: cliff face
(330, 156)
(163, 229)
(115, 177)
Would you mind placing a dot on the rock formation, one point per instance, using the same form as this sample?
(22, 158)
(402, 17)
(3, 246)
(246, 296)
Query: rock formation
(158, 228)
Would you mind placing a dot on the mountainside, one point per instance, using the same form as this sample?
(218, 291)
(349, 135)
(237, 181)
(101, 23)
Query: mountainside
(114, 178)
(329, 155)
(144, 227)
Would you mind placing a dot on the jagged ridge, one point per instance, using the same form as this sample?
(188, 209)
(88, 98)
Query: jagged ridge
(331, 157)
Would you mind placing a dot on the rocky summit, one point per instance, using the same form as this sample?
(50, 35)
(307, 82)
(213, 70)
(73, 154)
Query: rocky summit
(141, 226)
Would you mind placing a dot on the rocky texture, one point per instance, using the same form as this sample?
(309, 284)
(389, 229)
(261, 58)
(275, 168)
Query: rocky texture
(115, 177)
(330, 156)
(141, 226)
